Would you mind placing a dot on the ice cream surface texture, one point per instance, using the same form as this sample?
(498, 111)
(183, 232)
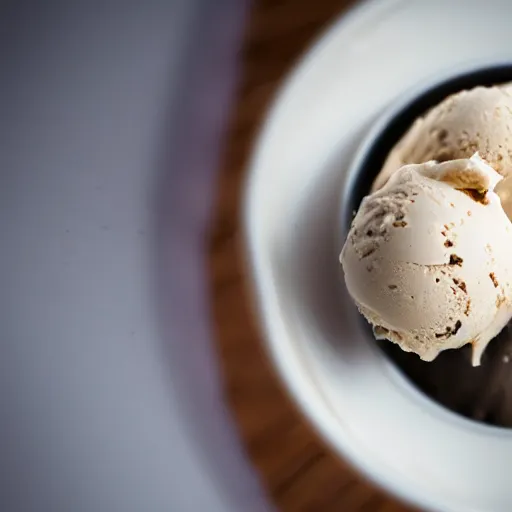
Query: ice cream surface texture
(478, 120)
(428, 259)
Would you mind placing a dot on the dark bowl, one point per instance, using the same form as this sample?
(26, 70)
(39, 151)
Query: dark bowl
(483, 393)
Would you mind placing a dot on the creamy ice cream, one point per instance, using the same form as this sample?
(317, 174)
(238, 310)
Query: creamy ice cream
(478, 120)
(428, 259)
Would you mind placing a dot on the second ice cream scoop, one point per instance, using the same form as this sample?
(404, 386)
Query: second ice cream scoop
(477, 120)
(428, 259)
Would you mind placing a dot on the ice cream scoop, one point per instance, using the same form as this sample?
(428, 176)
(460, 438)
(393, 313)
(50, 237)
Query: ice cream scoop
(478, 120)
(428, 259)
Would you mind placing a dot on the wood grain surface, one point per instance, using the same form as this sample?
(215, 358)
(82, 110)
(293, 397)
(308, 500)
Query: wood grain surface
(299, 473)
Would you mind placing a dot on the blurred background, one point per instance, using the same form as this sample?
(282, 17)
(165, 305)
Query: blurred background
(132, 372)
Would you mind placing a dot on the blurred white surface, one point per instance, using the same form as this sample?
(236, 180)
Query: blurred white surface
(105, 405)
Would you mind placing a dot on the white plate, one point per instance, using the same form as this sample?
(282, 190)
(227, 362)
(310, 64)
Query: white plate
(354, 397)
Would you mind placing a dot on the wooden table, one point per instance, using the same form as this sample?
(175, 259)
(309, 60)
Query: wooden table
(298, 471)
